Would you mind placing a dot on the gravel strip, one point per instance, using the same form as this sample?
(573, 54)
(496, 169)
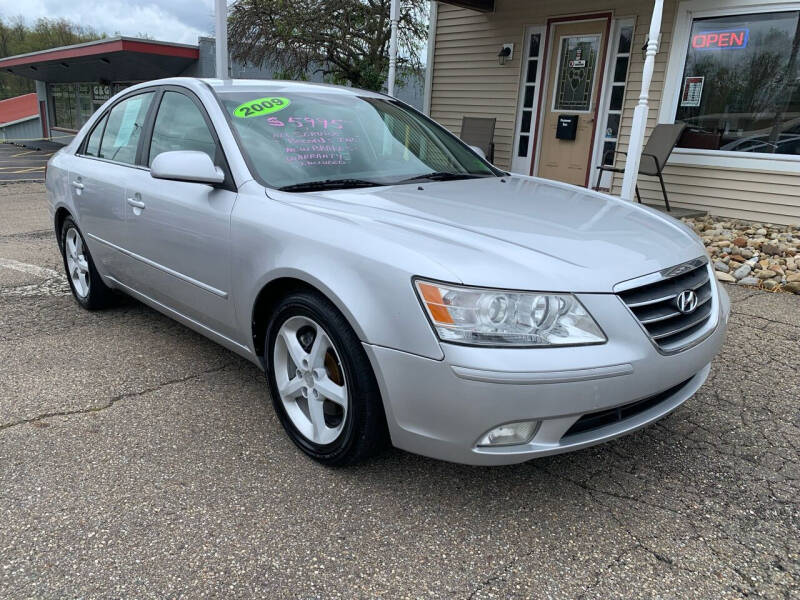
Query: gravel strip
(754, 254)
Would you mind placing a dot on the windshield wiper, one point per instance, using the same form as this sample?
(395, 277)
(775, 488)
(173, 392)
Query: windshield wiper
(442, 176)
(328, 184)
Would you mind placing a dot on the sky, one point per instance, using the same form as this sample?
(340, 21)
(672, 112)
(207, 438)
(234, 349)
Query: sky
(166, 20)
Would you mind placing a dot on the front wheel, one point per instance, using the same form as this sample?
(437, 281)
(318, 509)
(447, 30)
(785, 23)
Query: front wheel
(321, 382)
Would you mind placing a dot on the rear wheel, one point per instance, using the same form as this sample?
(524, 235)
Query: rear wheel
(321, 382)
(84, 280)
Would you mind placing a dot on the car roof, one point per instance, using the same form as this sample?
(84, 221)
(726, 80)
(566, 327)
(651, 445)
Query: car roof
(263, 85)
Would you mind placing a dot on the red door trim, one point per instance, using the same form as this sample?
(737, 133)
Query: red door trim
(546, 77)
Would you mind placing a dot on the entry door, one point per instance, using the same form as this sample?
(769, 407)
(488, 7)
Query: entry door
(573, 88)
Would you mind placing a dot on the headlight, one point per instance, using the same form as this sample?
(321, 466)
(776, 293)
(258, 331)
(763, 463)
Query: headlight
(501, 318)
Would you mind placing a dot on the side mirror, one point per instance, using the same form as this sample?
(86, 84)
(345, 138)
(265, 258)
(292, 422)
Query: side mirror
(479, 152)
(186, 165)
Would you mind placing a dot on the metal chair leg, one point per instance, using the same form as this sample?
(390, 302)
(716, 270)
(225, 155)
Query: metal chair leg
(600, 171)
(664, 191)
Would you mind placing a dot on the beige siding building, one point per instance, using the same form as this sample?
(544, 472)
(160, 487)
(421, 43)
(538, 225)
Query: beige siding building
(729, 69)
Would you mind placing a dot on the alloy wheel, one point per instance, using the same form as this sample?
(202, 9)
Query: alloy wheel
(77, 265)
(310, 380)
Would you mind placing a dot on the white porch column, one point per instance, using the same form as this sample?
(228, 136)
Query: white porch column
(221, 43)
(394, 16)
(640, 113)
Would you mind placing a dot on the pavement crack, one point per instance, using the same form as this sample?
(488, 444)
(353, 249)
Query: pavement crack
(497, 575)
(598, 579)
(111, 402)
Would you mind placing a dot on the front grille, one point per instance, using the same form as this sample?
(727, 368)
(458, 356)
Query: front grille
(602, 418)
(655, 304)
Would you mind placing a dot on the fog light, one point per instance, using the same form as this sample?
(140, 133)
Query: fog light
(510, 434)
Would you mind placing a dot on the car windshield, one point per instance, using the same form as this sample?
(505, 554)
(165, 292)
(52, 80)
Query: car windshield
(323, 140)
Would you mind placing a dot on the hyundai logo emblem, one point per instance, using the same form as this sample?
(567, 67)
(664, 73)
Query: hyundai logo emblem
(687, 301)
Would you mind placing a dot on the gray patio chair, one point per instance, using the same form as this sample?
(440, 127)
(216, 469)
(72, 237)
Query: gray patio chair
(479, 132)
(654, 156)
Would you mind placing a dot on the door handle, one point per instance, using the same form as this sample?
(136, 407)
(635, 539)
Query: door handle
(135, 203)
(77, 185)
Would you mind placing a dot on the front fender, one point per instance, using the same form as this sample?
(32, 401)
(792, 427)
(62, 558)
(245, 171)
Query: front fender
(367, 278)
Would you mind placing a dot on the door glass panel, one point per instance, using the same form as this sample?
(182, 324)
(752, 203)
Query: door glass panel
(617, 94)
(125, 122)
(577, 62)
(85, 108)
(608, 152)
(180, 126)
(621, 69)
(529, 93)
(625, 35)
(93, 144)
(65, 111)
(526, 122)
(522, 151)
(531, 76)
(534, 49)
(612, 126)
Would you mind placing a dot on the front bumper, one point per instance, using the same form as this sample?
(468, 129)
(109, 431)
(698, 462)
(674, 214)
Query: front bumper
(440, 408)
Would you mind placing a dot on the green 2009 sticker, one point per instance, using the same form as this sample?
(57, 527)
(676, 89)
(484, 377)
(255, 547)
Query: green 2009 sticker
(261, 106)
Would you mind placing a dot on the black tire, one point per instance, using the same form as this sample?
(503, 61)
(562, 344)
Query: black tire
(364, 432)
(99, 295)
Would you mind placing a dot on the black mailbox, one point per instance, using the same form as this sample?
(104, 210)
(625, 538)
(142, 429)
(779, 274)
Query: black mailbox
(567, 127)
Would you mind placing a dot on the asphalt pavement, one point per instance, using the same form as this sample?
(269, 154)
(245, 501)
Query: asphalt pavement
(138, 459)
(20, 163)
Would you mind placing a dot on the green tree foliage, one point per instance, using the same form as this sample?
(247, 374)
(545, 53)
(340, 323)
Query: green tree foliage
(346, 40)
(18, 38)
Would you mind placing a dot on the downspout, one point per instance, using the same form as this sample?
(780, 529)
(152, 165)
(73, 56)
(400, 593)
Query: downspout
(426, 100)
(636, 142)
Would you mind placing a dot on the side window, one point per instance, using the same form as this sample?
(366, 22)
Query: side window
(124, 127)
(180, 126)
(93, 143)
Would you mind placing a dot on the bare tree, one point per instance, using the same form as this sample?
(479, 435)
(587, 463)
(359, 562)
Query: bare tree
(345, 40)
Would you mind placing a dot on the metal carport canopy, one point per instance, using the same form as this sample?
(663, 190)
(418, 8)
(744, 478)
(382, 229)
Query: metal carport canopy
(112, 59)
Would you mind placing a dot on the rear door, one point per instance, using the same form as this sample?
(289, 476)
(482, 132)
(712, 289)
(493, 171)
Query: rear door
(180, 231)
(98, 177)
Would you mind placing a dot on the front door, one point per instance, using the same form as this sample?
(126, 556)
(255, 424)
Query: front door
(575, 65)
(179, 230)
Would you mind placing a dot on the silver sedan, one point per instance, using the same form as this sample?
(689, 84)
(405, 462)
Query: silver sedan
(393, 285)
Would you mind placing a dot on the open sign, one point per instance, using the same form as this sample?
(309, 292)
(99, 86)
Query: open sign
(721, 40)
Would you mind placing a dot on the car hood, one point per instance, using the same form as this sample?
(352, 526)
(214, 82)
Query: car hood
(516, 232)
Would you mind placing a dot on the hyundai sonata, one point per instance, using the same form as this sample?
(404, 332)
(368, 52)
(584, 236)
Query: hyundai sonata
(393, 285)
